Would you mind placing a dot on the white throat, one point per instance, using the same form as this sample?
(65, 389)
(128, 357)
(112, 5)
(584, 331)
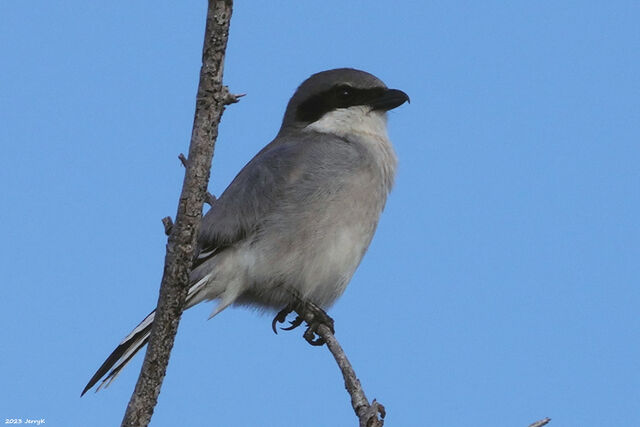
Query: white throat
(359, 120)
(365, 126)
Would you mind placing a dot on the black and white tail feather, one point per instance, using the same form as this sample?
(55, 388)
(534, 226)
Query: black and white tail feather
(137, 339)
(119, 358)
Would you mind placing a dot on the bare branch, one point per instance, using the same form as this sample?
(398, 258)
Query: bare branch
(209, 198)
(541, 423)
(211, 99)
(369, 415)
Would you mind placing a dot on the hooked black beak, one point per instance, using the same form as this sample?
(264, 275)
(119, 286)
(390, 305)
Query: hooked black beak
(390, 99)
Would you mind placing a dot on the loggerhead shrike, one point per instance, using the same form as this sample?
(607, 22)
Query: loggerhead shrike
(296, 221)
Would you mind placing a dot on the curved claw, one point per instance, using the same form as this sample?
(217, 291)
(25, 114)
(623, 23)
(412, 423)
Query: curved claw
(316, 316)
(280, 318)
(294, 324)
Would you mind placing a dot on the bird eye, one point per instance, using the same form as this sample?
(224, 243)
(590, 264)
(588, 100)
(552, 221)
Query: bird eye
(344, 91)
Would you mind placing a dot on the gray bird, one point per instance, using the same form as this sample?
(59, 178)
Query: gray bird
(296, 221)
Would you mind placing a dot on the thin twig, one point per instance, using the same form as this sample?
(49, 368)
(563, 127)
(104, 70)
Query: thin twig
(210, 199)
(210, 102)
(168, 225)
(541, 423)
(183, 160)
(369, 415)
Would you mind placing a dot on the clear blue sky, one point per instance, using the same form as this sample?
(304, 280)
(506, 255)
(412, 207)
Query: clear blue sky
(503, 284)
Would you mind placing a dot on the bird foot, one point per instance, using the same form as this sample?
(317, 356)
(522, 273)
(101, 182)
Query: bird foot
(281, 317)
(309, 312)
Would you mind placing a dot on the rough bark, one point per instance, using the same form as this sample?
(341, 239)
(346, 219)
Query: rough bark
(369, 414)
(211, 100)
